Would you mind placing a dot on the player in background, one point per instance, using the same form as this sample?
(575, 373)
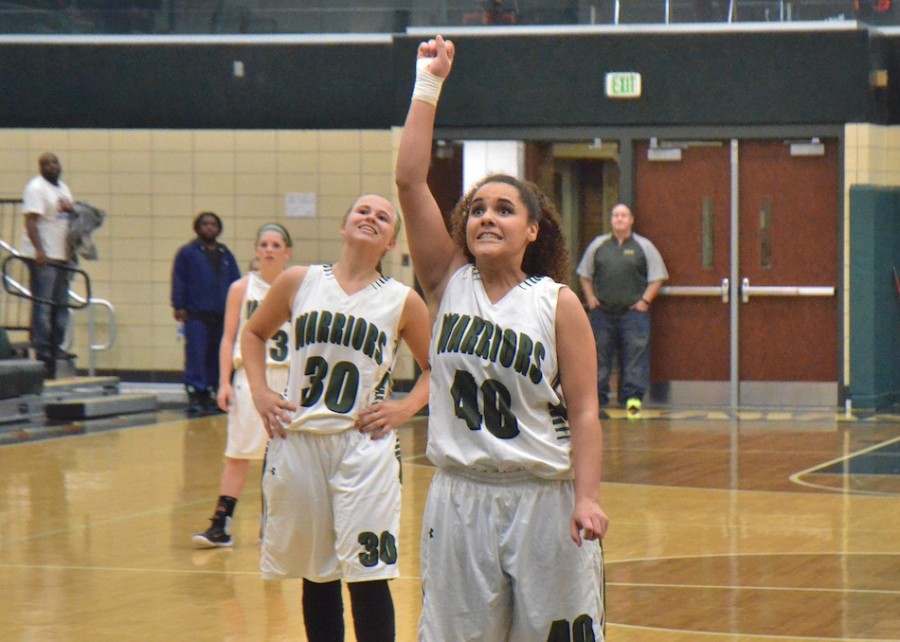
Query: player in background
(510, 531)
(247, 438)
(331, 485)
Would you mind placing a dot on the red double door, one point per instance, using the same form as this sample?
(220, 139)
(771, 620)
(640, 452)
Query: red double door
(754, 321)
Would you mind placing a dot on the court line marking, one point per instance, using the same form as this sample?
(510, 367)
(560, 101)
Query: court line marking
(124, 569)
(743, 635)
(256, 573)
(42, 439)
(121, 569)
(116, 519)
(750, 415)
(249, 488)
(664, 558)
(748, 587)
(710, 634)
(170, 571)
(795, 478)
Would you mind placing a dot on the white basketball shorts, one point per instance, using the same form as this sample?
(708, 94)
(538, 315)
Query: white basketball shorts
(498, 562)
(331, 507)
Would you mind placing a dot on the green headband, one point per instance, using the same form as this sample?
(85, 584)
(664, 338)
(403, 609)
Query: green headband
(275, 227)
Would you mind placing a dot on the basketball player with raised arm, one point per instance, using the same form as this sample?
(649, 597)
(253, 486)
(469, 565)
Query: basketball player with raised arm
(510, 548)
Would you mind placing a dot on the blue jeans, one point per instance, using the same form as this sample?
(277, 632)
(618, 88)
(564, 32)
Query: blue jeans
(627, 336)
(201, 354)
(48, 321)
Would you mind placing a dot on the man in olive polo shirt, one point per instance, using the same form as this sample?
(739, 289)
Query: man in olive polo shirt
(621, 273)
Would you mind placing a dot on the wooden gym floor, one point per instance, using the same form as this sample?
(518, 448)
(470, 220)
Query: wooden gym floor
(760, 526)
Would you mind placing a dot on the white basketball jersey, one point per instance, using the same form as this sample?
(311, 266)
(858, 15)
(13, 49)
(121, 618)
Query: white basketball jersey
(344, 347)
(278, 347)
(496, 404)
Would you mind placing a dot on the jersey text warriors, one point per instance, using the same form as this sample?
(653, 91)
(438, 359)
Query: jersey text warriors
(343, 347)
(496, 403)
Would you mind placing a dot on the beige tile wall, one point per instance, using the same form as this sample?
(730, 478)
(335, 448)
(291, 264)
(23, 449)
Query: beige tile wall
(871, 157)
(152, 183)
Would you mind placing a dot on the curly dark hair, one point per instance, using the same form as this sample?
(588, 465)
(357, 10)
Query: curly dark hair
(548, 254)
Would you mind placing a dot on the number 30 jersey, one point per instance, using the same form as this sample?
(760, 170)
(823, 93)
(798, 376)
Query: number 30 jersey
(343, 348)
(277, 352)
(495, 403)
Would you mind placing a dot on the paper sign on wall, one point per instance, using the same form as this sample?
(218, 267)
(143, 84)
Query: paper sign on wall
(300, 205)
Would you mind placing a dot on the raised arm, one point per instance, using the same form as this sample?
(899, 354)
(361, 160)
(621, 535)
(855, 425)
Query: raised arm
(435, 256)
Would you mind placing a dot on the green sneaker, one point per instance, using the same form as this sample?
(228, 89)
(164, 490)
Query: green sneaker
(633, 407)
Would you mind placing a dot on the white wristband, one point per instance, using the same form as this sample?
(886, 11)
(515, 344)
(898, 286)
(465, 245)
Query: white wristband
(428, 86)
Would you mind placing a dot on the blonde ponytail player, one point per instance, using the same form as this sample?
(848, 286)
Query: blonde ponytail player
(331, 484)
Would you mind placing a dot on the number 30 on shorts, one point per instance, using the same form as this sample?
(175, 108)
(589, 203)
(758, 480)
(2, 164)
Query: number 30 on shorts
(382, 548)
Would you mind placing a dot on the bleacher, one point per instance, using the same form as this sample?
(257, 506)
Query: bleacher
(26, 395)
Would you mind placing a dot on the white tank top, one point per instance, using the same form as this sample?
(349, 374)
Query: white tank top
(344, 348)
(496, 403)
(277, 348)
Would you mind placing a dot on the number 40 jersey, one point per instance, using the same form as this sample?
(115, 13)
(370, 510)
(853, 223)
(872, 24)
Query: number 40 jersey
(496, 405)
(343, 348)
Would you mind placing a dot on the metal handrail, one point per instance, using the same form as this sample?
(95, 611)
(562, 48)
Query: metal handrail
(10, 284)
(9, 248)
(111, 327)
(19, 290)
(89, 302)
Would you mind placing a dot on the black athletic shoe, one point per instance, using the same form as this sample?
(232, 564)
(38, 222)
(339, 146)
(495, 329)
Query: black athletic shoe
(211, 406)
(214, 537)
(196, 404)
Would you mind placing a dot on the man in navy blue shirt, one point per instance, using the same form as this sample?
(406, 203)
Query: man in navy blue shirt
(203, 271)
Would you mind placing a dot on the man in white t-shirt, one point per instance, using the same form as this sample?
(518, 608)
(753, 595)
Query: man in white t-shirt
(47, 203)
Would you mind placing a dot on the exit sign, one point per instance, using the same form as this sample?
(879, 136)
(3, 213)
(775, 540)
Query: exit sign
(623, 84)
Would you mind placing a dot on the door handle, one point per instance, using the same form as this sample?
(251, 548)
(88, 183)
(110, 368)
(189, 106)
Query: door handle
(720, 291)
(748, 290)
